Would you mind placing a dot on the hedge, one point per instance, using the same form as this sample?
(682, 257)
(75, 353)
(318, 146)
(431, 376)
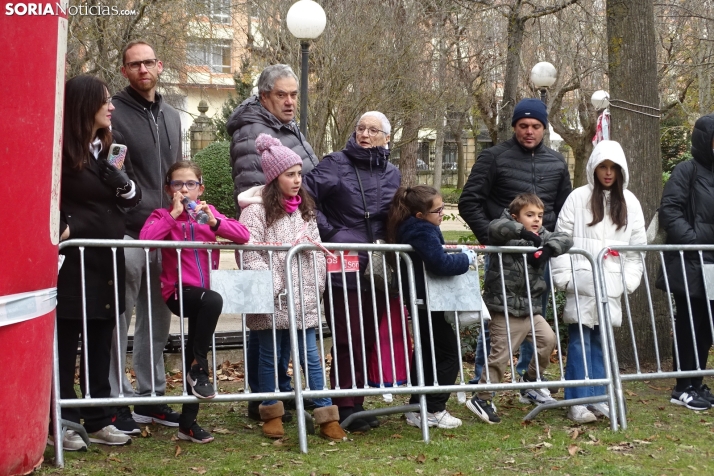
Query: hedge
(215, 161)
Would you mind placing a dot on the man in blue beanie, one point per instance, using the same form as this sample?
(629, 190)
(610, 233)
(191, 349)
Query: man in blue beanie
(522, 164)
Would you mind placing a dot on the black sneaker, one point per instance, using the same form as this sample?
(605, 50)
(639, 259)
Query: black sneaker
(161, 414)
(195, 434)
(197, 379)
(483, 409)
(689, 398)
(705, 394)
(125, 423)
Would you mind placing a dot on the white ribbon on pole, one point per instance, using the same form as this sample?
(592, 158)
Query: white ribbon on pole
(16, 308)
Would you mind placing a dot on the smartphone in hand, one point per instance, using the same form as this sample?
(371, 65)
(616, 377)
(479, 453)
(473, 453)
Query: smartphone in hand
(117, 154)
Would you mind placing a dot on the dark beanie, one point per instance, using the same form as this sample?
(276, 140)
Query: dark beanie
(532, 109)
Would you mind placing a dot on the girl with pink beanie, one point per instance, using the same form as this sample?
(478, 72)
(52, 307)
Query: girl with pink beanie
(282, 212)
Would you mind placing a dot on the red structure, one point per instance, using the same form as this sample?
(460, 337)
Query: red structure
(31, 99)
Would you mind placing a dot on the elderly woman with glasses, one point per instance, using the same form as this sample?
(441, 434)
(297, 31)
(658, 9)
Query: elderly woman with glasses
(353, 190)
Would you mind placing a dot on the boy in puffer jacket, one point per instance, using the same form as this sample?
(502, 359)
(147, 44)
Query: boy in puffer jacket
(520, 225)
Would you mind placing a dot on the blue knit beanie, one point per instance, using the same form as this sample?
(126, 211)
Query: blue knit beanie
(532, 109)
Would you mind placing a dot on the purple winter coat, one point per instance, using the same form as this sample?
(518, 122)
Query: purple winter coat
(334, 186)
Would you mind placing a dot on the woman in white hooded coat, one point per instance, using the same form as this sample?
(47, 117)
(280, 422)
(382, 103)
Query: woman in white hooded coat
(598, 215)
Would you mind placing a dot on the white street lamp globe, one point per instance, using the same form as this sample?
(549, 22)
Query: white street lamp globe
(600, 99)
(306, 20)
(543, 75)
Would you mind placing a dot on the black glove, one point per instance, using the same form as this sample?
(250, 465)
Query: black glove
(530, 236)
(539, 258)
(113, 177)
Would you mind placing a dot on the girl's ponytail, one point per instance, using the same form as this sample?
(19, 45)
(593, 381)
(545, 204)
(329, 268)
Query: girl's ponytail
(408, 201)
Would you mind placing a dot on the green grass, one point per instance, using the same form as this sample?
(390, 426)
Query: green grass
(459, 236)
(661, 439)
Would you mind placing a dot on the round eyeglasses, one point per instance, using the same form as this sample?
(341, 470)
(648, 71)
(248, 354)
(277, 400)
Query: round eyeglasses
(177, 185)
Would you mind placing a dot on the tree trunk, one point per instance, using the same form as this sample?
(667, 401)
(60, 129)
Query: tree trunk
(633, 78)
(439, 152)
(409, 152)
(516, 26)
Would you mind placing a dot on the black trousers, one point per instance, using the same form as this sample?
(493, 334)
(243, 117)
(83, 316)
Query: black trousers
(683, 331)
(445, 354)
(99, 344)
(202, 307)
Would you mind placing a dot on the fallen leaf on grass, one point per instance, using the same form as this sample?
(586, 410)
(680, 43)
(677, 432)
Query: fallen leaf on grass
(421, 458)
(574, 435)
(278, 442)
(199, 470)
(630, 393)
(396, 436)
(419, 471)
(295, 461)
(248, 427)
(146, 432)
(265, 444)
(505, 437)
(114, 459)
(626, 446)
(332, 443)
(221, 431)
(178, 451)
(573, 449)
(642, 442)
(256, 457)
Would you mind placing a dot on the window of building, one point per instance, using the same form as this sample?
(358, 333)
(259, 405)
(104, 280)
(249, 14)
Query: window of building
(219, 10)
(214, 53)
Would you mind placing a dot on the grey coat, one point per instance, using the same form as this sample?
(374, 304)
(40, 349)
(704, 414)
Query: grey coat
(245, 124)
(154, 142)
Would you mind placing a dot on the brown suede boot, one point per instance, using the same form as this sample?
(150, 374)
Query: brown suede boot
(272, 416)
(327, 418)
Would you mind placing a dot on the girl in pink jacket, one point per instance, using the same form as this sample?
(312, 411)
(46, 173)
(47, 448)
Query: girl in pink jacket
(185, 220)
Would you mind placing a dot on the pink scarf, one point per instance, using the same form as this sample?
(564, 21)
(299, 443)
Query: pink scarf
(292, 203)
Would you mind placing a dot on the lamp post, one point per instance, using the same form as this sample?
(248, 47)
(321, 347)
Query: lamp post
(306, 21)
(543, 76)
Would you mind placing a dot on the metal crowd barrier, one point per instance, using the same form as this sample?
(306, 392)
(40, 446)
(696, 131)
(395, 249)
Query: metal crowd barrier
(683, 252)
(368, 307)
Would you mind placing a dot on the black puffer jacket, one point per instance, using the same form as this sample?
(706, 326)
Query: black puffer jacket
(686, 212)
(506, 170)
(245, 124)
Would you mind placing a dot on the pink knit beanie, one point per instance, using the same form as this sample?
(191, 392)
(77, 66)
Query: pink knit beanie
(276, 158)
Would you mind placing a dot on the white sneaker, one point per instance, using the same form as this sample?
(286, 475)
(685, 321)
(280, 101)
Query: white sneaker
(443, 419)
(413, 419)
(537, 396)
(71, 441)
(109, 435)
(600, 409)
(581, 414)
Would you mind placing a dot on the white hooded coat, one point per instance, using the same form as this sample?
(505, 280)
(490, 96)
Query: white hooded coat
(573, 219)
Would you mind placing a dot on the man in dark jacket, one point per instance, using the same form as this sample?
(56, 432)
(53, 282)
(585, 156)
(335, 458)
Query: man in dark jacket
(686, 213)
(272, 112)
(522, 164)
(152, 131)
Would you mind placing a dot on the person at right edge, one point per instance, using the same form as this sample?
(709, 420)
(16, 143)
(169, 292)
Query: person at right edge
(686, 213)
(522, 164)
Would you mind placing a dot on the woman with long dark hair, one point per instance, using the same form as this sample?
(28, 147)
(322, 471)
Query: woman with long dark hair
(94, 196)
(597, 215)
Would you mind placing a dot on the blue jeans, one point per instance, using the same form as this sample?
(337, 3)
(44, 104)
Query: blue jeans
(266, 370)
(526, 351)
(283, 359)
(575, 367)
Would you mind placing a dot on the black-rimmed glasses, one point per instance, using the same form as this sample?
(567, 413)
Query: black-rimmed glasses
(177, 185)
(439, 210)
(371, 131)
(136, 65)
